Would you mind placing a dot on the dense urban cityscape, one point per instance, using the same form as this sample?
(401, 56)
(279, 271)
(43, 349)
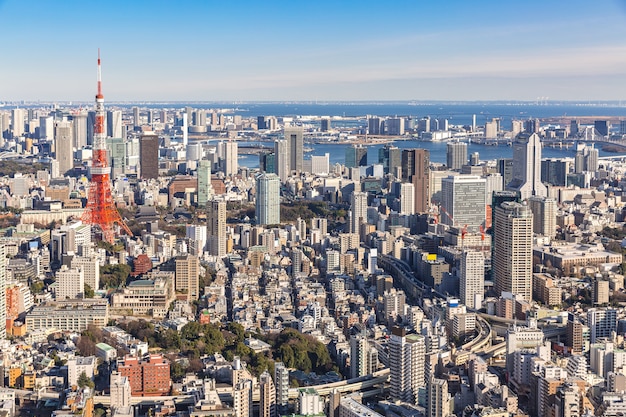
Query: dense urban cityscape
(145, 272)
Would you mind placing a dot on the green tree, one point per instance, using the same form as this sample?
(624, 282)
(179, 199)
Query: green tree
(113, 276)
(85, 381)
(89, 293)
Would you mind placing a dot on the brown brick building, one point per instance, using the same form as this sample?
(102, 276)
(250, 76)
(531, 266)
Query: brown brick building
(148, 376)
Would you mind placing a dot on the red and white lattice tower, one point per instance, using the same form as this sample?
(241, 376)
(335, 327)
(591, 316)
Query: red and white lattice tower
(101, 210)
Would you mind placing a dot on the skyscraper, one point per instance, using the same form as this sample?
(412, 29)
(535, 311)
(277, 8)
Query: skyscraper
(438, 399)
(64, 151)
(186, 278)
(356, 156)
(114, 124)
(527, 167)
(456, 155)
(149, 156)
(363, 356)
(79, 122)
(391, 158)
(294, 135)
(216, 217)
(267, 405)
(358, 211)
(231, 166)
(544, 215)
(407, 198)
(17, 122)
(513, 244)
(463, 199)
(407, 363)
(205, 189)
(267, 199)
(416, 169)
(282, 161)
(472, 278)
(136, 122)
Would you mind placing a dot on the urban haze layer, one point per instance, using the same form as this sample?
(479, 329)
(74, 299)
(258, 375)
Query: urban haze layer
(216, 261)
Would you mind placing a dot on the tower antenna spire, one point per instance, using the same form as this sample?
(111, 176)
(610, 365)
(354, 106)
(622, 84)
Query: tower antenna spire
(101, 210)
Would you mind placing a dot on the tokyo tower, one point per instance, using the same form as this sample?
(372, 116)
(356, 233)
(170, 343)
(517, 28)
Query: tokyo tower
(101, 210)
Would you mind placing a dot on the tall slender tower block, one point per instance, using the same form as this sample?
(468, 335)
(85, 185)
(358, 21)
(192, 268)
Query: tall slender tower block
(101, 210)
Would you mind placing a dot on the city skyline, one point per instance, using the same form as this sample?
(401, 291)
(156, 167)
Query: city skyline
(202, 51)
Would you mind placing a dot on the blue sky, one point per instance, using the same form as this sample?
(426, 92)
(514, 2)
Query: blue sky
(314, 50)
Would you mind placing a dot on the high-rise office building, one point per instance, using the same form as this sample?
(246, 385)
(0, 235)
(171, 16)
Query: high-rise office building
(513, 244)
(407, 198)
(79, 127)
(544, 215)
(216, 218)
(505, 168)
(373, 125)
(63, 145)
(117, 156)
(416, 169)
(554, 171)
(267, 162)
(591, 159)
(527, 167)
(281, 381)
(456, 155)
(358, 211)
(602, 322)
(17, 122)
(407, 364)
(603, 127)
(136, 120)
(267, 403)
(472, 278)
(115, 127)
(363, 356)
(267, 199)
(463, 200)
(149, 156)
(325, 124)
(231, 166)
(438, 399)
(282, 160)
(294, 135)
(205, 189)
(395, 126)
(186, 278)
(391, 158)
(356, 156)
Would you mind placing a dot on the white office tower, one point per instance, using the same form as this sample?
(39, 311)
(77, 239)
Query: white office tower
(527, 167)
(463, 200)
(282, 159)
(513, 257)
(242, 398)
(46, 128)
(522, 337)
(115, 127)
(3, 292)
(91, 270)
(602, 323)
(63, 145)
(407, 198)
(294, 136)
(363, 356)
(197, 233)
(310, 402)
(120, 392)
(281, 380)
(216, 220)
(231, 166)
(267, 403)
(79, 122)
(456, 155)
(320, 165)
(439, 404)
(472, 279)
(17, 122)
(358, 211)
(70, 283)
(185, 129)
(407, 363)
(267, 199)
(544, 215)
(205, 188)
